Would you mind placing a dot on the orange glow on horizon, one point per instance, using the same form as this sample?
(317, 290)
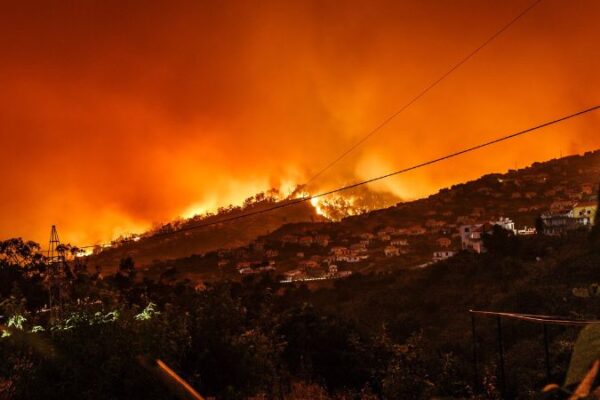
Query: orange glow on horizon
(118, 116)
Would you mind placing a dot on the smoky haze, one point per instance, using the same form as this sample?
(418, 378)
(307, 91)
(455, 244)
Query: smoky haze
(116, 115)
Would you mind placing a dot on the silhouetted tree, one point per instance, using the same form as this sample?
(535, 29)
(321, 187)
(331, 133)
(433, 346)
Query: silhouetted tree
(539, 225)
(595, 232)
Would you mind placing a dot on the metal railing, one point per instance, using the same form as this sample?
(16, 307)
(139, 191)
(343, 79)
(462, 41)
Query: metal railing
(544, 320)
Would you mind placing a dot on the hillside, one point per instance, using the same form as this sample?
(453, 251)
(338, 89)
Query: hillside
(160, 246)
(417, 228)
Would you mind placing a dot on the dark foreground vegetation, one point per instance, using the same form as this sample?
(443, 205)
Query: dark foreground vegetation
(403, 335)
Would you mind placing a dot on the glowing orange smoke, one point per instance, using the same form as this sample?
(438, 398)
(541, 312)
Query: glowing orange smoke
(115, 116)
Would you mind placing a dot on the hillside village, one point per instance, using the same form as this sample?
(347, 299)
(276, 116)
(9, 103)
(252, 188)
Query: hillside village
(554, 196)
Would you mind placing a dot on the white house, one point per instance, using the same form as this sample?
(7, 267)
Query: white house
(442, 255)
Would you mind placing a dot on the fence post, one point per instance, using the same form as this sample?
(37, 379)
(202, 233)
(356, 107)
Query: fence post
(546, 352)
(501, 358)
(475, 369)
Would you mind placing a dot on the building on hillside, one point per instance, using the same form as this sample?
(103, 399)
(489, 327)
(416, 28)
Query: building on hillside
(582, 215)
(416, 230)
(271, 253)
(322, 240)
(471, 237)
(442, 255)
(587, 188)
(587, 210)
(358, 248)
(308, 264)
(561, 206)
(294, 275)
(526, 231)
(222, 263)
(434, 223)
(391, 251)
(505, 223)
(367, 236)
(305, 241)
(350, 258)
(388, 230)
(340, 250)
(530, 195)
(444, 242)
(300, 254)
(242, 265)
(399, 242)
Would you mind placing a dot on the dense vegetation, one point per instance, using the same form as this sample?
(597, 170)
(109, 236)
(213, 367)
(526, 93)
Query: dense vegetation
(400, 335)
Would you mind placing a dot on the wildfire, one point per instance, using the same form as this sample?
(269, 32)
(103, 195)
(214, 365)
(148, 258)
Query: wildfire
(336, 207)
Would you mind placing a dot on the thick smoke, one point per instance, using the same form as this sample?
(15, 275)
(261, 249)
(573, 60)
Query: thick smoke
(116, 115)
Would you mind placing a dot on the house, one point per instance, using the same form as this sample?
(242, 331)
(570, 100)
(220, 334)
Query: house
(561, 206)
(442, 255)
(558, 223)
(322, 240)
(243, 264)
(391, 251)
(587, 188)
(399, 242)
(444, 242)
(384, 237)
(271, 253)
(349, 258)
(308, 264)
(333, 269)
(530, 195)
(294, 274)
(432, 223)
(305, 241)
(300, 254)
(339, 250)
(402, 231)
(388, 230)
(222, 263)
(505, 223)
(329, 259)
(416, 230)
(471, 237)
(367, 236)
(526, 231)
(358, 248)
(586, 210)
(365, 243)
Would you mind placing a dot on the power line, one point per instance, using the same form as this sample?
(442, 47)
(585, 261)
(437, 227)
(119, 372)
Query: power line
(378, 178)
(422, 92)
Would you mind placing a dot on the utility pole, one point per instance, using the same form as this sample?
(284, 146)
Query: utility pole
(55, 274)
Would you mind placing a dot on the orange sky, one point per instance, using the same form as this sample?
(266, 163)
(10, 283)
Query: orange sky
(115, 115)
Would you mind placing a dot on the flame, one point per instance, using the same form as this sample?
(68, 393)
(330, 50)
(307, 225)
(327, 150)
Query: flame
(261, 97)
(315, 202)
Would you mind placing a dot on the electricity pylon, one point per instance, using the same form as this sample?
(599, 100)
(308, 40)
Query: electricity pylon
(55, 273)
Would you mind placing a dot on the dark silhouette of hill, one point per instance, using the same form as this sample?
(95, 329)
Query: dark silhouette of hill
(166, 243)
(521, 195)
